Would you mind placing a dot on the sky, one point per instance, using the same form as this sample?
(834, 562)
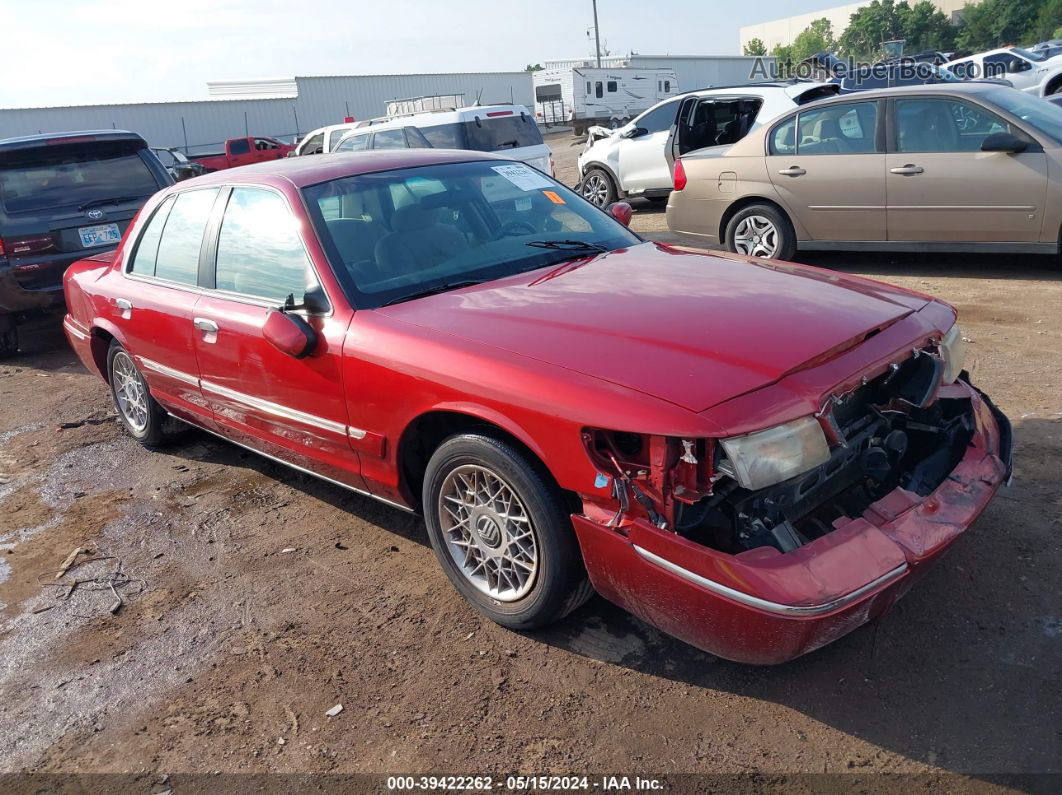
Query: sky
(64, 52)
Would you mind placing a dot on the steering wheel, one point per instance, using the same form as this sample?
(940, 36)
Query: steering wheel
(513, 228)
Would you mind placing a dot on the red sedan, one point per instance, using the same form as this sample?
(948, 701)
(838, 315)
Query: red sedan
(755, 457)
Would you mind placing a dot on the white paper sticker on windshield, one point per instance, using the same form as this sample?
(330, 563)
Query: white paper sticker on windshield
(523, 177)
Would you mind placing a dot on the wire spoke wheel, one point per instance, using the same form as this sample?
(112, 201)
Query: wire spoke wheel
(130, 392)
(756, 236)
(595, 189)
(488, 532)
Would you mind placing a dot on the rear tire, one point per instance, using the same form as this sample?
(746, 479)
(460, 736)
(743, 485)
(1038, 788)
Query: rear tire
(502, 533)
(761, 230)
(138, 412)
(598, 188)
(8, 339)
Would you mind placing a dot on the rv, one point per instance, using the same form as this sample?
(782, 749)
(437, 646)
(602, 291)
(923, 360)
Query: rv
(583, 96)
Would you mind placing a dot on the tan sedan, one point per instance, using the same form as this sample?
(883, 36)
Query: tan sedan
(953, 167)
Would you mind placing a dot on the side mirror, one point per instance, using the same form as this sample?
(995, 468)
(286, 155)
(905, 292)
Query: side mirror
(1004, 142)
(637, 132)
(289, 334)
(1020, 65)
(621, 211)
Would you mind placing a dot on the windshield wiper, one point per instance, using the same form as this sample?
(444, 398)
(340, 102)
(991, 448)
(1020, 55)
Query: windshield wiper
(101, 202)
(568, 245)
(439, 288)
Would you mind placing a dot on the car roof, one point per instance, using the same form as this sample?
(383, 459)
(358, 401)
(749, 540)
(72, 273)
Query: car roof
(958, 87)
(76, 136)
(757, 88)
(307, 170)
(984, 54)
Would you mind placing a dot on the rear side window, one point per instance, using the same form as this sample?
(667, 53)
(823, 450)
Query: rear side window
(66, 176)
(147, 249)
(389, 139)
(241, 146)
(839, 130)
(182, 237)
(445, 136)
(783, 138)
(259, 250)
(356, 143)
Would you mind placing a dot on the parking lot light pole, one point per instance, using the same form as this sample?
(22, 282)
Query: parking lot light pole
(597, 37)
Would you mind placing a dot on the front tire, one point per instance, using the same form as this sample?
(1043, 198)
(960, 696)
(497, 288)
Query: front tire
(598, 188)
(501, 532)
(138, 411)
(760, 230)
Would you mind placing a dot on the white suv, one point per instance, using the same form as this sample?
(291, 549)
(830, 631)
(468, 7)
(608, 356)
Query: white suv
(637, 159)
(1032, 72)
(510, 129)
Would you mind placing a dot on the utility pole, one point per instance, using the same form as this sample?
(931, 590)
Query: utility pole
(597, 37)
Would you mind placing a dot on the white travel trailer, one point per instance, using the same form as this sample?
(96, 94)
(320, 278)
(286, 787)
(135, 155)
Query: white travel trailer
(586, 96)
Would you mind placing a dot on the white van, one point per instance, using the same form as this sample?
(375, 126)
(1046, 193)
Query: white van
(482, 128)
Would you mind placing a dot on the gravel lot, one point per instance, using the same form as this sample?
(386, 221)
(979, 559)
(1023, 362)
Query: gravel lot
(268, 598)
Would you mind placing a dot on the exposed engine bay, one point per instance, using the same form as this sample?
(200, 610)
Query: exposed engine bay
(890, 432)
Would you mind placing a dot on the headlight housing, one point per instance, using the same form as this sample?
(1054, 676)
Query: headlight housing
(764, 458)
(953, 354)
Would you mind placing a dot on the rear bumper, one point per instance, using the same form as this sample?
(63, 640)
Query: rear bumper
(81, 341)
(15, 299)
(763, 607)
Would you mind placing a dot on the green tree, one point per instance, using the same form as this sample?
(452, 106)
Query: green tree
(869, 27)
(925, 27)
(995, 23)
(755, 47)
(1047, 22)
(815, 38)
(533, 67)
(784, 63)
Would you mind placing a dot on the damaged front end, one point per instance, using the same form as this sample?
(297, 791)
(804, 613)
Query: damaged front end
(798, 533)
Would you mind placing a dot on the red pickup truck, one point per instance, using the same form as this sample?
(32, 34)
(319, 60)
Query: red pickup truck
(243, 151)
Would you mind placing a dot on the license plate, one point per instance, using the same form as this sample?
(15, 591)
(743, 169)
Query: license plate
(101, 235)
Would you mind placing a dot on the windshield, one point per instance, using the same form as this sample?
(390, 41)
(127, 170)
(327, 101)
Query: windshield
(1043, 117)
(1029, 54)
(63, 177)
(395, 234)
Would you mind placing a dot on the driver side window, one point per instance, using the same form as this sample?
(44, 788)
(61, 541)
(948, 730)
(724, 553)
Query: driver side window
(260, 253)
(658, 119)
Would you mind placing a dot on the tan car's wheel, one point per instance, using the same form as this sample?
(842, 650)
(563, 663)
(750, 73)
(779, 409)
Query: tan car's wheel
(761, 231)
(502, 533)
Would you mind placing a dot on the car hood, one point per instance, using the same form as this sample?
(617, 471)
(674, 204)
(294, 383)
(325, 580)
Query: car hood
(692, 329)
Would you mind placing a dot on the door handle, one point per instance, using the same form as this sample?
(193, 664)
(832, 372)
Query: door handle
(793, 171)
(203, 324)
(907, 171)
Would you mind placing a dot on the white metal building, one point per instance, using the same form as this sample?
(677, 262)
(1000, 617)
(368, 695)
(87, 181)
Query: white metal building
(279, 108)
(692, 71)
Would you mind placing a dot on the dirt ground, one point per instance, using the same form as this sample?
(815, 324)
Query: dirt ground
(267, 597)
